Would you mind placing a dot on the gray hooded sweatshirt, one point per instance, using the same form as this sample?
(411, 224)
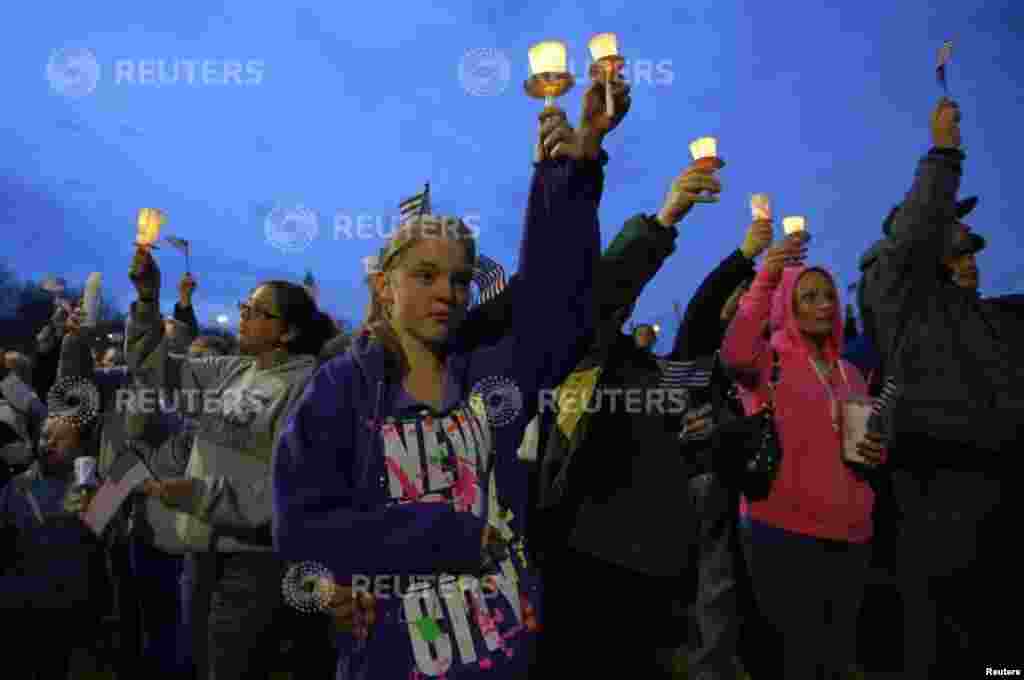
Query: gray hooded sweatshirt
(24, 412)
(240, 411)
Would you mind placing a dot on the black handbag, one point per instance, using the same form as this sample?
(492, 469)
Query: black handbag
(746, 449)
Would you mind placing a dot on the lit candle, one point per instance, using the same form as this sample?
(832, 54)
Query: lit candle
(604, 49)
(657, 328)
(548, 57)
(604, 45)
(550, 77)
(705, 147)
(793, 225)
(149, 223)
(761, 207)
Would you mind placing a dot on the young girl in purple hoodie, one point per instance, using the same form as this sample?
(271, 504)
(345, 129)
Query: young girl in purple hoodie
(808, 541)
(385, 475)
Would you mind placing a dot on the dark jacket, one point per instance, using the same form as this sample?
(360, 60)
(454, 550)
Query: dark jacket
(699, 337)
(956, 356)
(50, 559)
(701, 330)
(624, 466)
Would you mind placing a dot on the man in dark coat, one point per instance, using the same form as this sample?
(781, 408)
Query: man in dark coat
(958, 425)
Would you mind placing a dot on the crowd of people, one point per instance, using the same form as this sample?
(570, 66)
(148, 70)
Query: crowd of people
(452, 520)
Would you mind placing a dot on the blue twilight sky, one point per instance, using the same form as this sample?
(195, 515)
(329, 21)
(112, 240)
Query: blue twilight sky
(349, 107)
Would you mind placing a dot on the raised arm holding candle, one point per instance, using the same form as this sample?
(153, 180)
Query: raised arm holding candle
(760, 207)
(795, 228)
(604, 48)
(706, 160)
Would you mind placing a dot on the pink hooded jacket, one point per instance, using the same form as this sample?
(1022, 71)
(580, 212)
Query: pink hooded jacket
(815, 493)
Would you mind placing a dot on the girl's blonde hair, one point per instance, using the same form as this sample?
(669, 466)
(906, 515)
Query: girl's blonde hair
(377, 322)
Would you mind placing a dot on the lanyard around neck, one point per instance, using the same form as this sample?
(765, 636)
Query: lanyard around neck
(833, 401)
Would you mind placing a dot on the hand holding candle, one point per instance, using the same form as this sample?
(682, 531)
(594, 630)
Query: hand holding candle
(795, 228)
(604, 49)
(693, 186)
(145, 274)
(705, 156)
(760, 207)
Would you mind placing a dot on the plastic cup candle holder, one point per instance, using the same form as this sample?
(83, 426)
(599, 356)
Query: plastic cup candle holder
(550, 76)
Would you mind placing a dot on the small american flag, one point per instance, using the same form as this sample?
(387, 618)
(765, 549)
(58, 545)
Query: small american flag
(882, 407)
(489, 277)
(416, 205)
(54, 285)
(179, 243)
(680, 374)
(126, 474)
(945, 54)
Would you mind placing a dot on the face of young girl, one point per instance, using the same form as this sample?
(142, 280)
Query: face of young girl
(429, 290)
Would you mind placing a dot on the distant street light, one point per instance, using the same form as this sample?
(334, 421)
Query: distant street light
(222, 319)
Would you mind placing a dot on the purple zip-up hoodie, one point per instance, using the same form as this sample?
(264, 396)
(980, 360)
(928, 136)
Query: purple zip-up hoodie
(380, 489)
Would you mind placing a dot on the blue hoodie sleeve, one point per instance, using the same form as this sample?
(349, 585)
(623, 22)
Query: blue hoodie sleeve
(316, 510)
(554, 314)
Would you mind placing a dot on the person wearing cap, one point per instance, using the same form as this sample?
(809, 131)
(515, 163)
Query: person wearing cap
(958, 424)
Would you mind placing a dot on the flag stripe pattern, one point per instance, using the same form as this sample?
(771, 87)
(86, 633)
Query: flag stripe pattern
(489, 277)
(125, 475)
(945, 54)
(415, 205)
(54, 285)
(179, 243)
(680, 374)
(881, 410)
(884, 403)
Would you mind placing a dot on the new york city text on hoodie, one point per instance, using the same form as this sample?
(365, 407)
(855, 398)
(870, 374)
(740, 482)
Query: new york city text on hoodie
(371, 484)
(815, 493)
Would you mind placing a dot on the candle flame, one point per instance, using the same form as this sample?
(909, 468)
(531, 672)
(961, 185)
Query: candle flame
(792, 225)
(149, 223)
(705, 147)
(604, 45)
(548, 57)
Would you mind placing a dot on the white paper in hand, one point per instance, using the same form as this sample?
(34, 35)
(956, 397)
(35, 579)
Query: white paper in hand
(856, 413)
(91, 300)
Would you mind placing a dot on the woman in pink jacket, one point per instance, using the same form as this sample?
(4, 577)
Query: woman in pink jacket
(808, 541)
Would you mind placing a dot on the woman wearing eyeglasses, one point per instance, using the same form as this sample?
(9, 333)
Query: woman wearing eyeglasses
(241, 404)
